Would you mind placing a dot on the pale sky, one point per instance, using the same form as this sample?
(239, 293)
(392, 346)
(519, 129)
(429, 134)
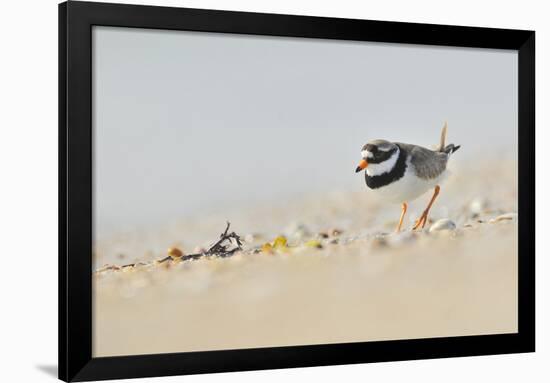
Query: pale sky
(188, 122)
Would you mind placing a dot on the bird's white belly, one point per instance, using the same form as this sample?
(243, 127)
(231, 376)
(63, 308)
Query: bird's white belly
(408, 187)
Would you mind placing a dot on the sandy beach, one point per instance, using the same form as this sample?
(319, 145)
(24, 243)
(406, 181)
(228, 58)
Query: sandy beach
(342, 276)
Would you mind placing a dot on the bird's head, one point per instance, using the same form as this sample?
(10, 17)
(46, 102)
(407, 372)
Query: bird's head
(376, 152)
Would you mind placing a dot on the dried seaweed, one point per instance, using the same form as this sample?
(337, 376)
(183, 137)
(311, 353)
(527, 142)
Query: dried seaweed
(228, 244)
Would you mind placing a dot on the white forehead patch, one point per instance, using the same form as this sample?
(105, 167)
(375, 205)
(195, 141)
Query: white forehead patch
(384, 166)
(385, 147)
(366, 154)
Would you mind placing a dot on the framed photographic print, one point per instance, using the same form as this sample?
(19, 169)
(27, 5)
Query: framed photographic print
(246, 191)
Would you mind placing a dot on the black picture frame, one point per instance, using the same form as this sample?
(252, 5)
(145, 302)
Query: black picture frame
(75, 190)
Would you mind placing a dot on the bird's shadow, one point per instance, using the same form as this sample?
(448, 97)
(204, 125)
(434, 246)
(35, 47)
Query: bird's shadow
(48, 369)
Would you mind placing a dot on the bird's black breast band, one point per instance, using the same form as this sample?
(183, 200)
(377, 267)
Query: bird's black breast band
(394, 174)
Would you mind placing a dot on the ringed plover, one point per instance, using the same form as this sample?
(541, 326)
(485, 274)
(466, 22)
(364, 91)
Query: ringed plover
(403, 172)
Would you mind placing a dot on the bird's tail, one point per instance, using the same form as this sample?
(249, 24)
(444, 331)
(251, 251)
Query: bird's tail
(451, 148)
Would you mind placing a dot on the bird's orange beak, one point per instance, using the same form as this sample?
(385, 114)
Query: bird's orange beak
(362, 165)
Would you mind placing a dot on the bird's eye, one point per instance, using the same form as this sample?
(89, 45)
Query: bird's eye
(372, 148)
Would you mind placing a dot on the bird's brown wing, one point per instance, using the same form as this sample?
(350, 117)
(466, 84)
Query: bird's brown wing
(427, 164)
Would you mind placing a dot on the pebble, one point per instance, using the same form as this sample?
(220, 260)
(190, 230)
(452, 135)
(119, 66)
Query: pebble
(402, 238)
(379, 242)
(252, 237)
(334, 232)
(442, 224)
(298, 231)
(478, 205)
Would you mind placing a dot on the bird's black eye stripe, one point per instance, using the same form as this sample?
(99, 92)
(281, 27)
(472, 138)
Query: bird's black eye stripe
(381, 156)
(371, 148)
(396, 173)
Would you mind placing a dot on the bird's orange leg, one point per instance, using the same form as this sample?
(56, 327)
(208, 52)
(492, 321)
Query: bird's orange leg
(403, 211)
(421, 222)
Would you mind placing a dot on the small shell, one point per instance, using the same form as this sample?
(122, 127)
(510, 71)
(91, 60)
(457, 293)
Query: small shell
(267, 248)
(505, 217)
(313, 243)
(280, 242)
(442, 224)
(175, 253)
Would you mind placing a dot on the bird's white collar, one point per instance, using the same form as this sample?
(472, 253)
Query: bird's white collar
(383, 167)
